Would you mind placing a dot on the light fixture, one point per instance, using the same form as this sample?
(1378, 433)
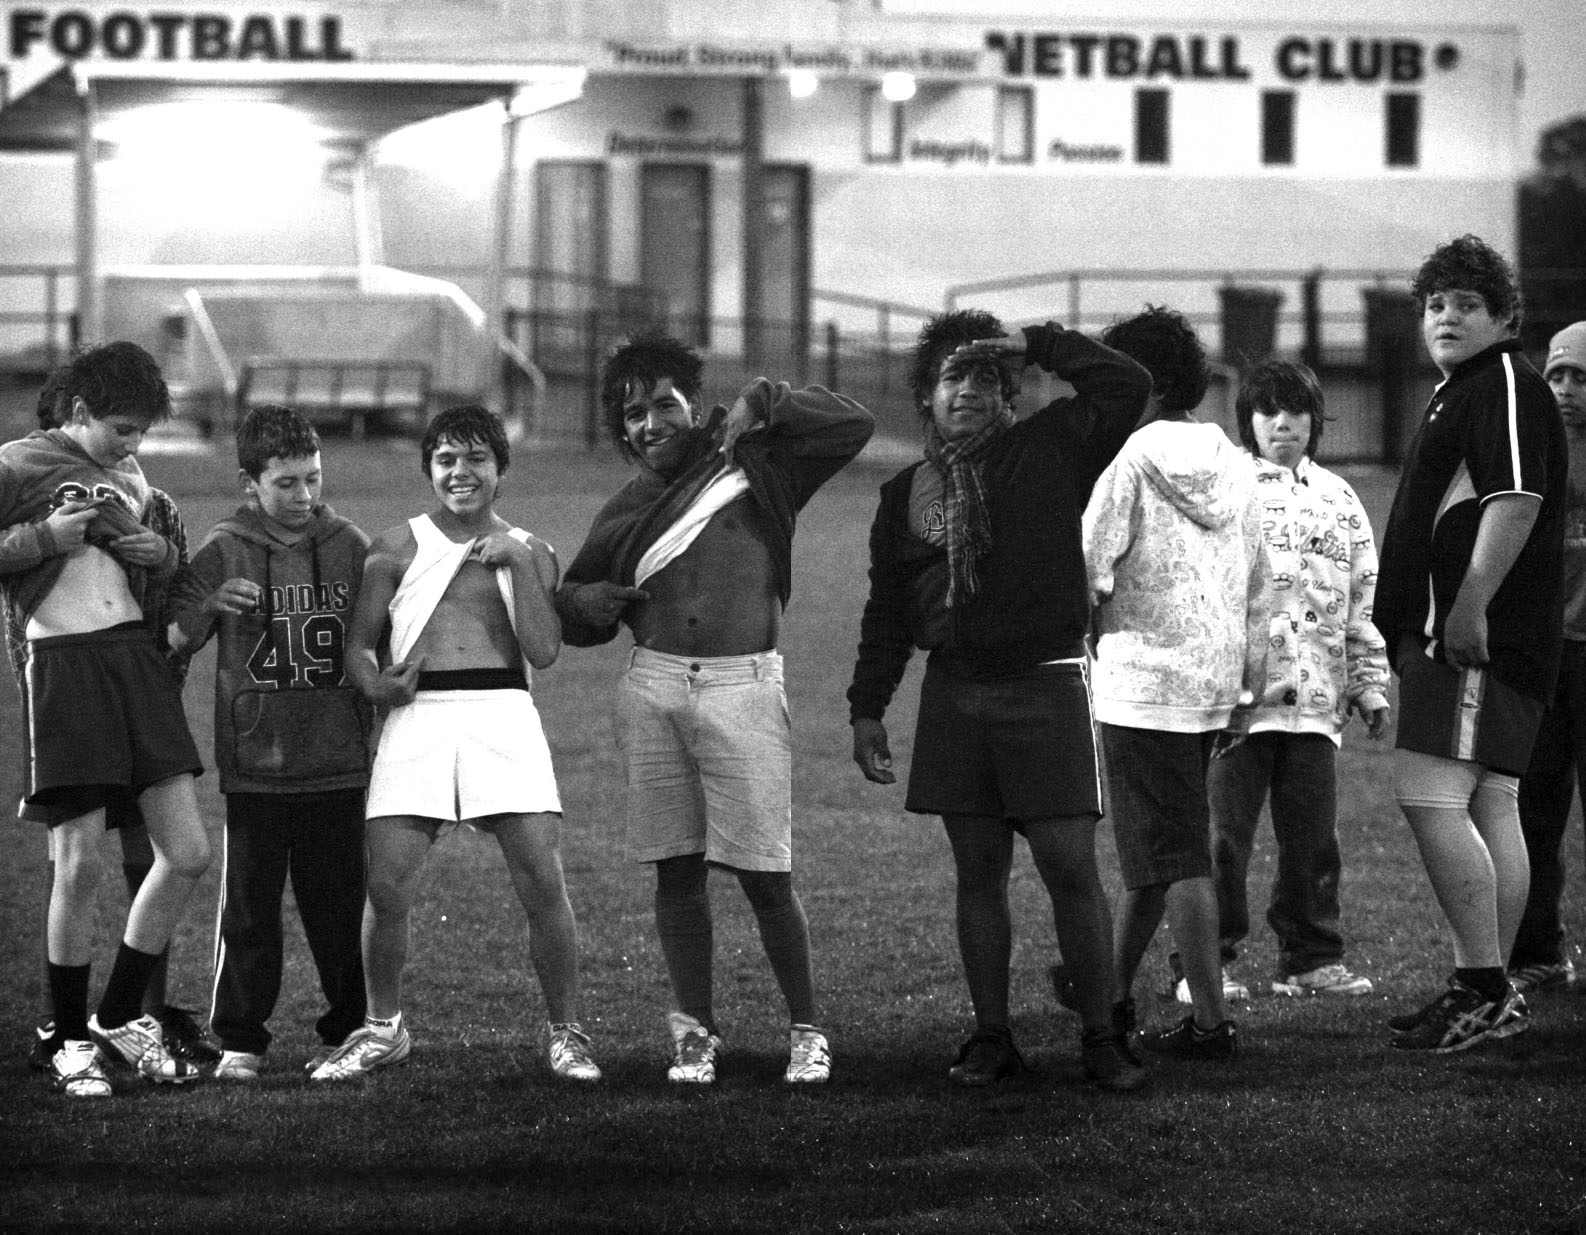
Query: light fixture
(897, 87)
(801, 83)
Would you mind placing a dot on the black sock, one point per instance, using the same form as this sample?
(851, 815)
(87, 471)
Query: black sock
(129, 977)
(69, 993)
(1490, 984)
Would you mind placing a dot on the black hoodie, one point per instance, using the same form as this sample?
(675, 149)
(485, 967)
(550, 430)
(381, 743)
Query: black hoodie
(286, 718)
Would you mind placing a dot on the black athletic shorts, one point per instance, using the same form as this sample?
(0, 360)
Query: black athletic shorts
(102, 720)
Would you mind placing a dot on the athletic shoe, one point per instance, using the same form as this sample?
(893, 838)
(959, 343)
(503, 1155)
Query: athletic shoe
(321, 1055)
(75, 1071)
(363, 1052)
(184, 1039)
(41, 1051)
(1190, 1041)
(1543, 976)
(1109, 1063)
(1511, 1017)
(986, 1058)
(568, 1053)
(140, 1044)
(1325, 980)
(238, 1066)
(1234, 991)
(1458, 1019)
(809, 1057)
(694, 1051)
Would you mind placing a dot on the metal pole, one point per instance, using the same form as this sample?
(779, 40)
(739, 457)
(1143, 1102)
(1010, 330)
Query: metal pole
(495, 287)
(90, 305)
(753, 223)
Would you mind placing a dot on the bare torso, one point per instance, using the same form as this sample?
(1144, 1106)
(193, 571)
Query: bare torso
(470, 627)
(91, 593)
(720, 596)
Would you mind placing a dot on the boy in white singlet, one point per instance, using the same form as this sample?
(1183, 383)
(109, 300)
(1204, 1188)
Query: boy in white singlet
(466, 599)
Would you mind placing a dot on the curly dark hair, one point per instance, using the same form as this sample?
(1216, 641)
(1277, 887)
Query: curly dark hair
(117, 379)
(271, 431)
(1273, 384)
(642, 361)
(938, 338)
(464, 426)
(1471, 264)
(1167, 345)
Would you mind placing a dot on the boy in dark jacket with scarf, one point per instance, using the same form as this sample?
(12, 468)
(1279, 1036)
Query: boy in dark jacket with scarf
(695, 555)
(975, 556)
(277, 582)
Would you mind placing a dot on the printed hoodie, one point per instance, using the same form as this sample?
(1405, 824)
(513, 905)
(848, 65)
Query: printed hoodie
(286, 718)
(1178, 573)
(1324, 653)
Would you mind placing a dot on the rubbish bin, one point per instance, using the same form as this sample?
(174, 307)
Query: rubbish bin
(1250, 323)
(1393, 348)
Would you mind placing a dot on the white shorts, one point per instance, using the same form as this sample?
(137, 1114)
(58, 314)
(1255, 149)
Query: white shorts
(463, 754)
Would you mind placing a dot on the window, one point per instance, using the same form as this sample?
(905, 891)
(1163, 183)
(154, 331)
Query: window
(883, 128)
(1277, 127)
(1015, 124)
(1404, 130)
(1150, 126)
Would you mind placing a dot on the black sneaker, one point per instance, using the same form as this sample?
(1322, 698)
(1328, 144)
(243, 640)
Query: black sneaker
(41, 1051)
(1459, 1018)
(1190, 1041)
(988, 1057)
(184, 1039)
(1109, 1063)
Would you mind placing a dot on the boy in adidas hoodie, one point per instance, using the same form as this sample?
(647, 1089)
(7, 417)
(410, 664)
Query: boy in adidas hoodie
(1178, 573)
(277, 582)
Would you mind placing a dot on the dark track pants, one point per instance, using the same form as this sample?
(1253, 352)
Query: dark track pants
(319, 840)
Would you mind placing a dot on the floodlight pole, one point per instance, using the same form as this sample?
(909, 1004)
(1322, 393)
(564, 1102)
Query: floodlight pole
(495, 288)
(90, 304)
(753, 224)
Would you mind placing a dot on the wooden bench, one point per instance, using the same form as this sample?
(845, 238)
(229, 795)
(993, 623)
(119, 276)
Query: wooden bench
(343, 392)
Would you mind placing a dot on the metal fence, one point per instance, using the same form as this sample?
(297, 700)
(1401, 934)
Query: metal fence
(1358, 328)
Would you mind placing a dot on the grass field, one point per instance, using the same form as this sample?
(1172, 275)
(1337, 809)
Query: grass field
(1317, 1127)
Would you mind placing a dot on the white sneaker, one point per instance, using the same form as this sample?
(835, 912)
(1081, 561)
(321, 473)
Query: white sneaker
(1234, 991)
(568, 1052)
(140, 1044)
(694, 1051)
(75, 1071)
(1323, 980)
(238, 1066)
(363, 1052)
(809, 1057)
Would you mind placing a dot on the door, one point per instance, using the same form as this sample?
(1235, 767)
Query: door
(674, 245)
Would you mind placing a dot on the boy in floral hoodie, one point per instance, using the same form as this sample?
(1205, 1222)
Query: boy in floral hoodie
(1178, 573)
(1325, 659)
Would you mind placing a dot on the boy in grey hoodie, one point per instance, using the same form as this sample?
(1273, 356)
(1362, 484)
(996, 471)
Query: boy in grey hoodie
(1179, 577)
(277, 582)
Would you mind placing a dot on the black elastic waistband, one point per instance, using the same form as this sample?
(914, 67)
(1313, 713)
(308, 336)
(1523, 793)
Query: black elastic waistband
(474, 679)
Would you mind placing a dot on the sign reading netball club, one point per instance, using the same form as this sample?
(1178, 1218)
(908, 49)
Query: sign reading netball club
(1224, 57)
(73, 34)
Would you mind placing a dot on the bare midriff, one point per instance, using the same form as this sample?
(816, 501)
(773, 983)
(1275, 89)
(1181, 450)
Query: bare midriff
(720, 596)
(91, 593)
(470, 627)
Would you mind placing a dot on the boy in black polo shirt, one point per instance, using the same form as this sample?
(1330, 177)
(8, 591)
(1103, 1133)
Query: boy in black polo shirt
(1468, 603)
